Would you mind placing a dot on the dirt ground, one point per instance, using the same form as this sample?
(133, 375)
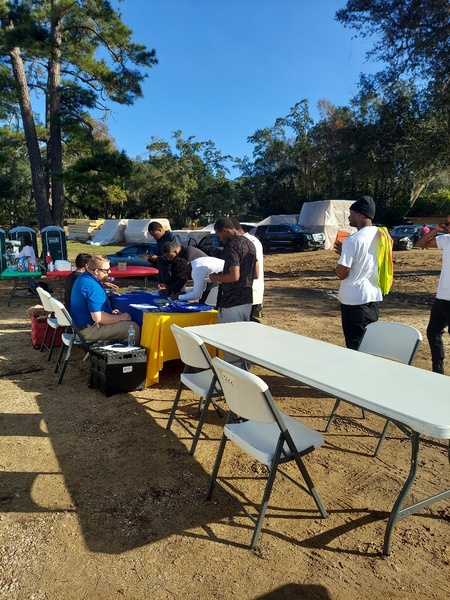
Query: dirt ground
(99, 501)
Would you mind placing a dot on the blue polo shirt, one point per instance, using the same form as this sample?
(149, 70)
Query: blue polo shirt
(87, 296)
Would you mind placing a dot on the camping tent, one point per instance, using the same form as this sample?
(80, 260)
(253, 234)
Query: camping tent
(279, 219)
(136, 231)
(111, 232)
(326, 216)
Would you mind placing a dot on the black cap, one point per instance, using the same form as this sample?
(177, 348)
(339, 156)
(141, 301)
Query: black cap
(365, 205)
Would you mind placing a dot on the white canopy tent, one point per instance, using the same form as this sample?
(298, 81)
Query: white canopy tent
(327, 217)
(111, 232)
(136, 231)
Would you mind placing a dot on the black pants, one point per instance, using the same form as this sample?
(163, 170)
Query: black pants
(439, 319)
(355, 320)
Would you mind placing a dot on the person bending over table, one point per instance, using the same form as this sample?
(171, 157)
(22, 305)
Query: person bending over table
(199, 270)
(91, 309)
(171, 251)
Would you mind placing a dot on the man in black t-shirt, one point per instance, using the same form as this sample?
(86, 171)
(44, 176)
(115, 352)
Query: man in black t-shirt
(241, 267)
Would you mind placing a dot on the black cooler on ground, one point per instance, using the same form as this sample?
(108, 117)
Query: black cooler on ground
(115, 372)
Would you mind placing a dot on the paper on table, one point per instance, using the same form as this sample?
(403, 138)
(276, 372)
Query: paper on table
(144, 306)
(120, 348)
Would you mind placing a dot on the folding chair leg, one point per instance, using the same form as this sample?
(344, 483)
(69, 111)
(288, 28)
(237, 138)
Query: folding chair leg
(43, 345)
(382, 436)
(264, 503)
(63, 370)
(333, 414)
(200, 424)
(215, 470)
(174, 407)
(58, 362)
(52, 345)
(312, 489)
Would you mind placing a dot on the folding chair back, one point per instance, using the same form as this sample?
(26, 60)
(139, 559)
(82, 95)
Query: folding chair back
(246, 394)
(391, 340)
(191, 348)
(263, 432)
(395, 341)
(64, 319)
(69, 338)
(44, 297)
(52, 322)
(198, 376)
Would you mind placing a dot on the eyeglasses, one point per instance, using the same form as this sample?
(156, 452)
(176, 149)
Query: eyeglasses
(104, 270)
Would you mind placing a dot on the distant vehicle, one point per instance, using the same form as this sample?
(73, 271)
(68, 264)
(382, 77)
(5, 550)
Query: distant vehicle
(132, 255)
(289, 236)
(210, 244)
(405, 236)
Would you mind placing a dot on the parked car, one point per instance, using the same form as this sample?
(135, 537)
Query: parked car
(132, 255)
(405, 236)
(289, 236)
(210, 244)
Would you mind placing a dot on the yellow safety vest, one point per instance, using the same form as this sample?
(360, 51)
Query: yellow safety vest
(385, 262)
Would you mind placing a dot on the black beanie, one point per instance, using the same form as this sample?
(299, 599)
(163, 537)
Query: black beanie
(365, 205)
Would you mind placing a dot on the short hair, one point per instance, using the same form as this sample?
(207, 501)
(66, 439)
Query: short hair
(236, 224)
(82, 260)
(26, 240)
(154, 225)
(170, 247)
(96, 260)
(179, 265)
(224, 223)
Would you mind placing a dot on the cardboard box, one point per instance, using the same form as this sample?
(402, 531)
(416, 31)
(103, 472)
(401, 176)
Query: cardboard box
(122, 266)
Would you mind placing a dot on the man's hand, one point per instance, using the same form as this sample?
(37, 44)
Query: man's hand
(174, 296)
(153, 258)
(111, 286)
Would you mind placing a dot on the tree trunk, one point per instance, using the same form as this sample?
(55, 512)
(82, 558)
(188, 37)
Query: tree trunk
(29, 126)
(55, 144)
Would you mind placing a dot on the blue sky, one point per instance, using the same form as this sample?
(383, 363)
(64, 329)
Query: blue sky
(229, 67)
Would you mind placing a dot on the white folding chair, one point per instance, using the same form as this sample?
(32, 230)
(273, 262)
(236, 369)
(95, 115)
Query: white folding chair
(261, 430)
(391, 340)
(52, 322)
(198, 376)
(71, 336)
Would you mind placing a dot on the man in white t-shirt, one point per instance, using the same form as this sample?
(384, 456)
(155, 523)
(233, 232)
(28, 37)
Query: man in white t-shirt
(199, 271)
(440, 311)
(357, 268)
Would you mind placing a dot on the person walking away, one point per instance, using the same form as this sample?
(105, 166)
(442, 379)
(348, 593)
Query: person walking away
(357, 269)
(440, 310)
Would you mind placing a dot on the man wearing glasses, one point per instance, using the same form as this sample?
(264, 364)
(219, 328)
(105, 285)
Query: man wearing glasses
(90, 307)
(440, 311)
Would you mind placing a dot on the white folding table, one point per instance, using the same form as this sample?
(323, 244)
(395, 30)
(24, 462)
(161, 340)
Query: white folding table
(418, 401)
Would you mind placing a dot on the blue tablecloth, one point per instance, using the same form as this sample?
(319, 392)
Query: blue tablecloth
(152, 302)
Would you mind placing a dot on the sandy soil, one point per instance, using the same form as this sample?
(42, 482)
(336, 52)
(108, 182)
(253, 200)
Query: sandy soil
(99, 501)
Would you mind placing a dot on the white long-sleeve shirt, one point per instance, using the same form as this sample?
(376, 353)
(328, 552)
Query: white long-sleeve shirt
(201, 270)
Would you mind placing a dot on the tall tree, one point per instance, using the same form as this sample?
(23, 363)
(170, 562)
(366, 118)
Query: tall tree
(79, 55)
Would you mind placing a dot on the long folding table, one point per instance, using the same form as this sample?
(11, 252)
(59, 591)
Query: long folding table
(415, 399)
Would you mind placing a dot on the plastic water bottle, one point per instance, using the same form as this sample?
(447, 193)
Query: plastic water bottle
(131, 336)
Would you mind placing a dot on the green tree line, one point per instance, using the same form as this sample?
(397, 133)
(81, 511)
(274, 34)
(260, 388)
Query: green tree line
(78, 56)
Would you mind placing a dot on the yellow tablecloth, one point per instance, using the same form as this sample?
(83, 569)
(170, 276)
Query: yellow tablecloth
(157, 337)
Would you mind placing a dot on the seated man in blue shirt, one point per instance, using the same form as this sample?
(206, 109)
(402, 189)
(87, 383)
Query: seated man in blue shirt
(90, 307)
